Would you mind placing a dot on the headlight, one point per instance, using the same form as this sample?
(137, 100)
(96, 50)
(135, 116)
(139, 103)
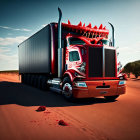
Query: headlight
(121, 82)
(80, 84)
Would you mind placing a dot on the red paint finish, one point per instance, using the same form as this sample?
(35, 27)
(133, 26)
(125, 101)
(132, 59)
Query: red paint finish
(53, 52)
(101, 31)
(92, 91)
(92, 36)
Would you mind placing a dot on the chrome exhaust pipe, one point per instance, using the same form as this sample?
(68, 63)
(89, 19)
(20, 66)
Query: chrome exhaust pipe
(60, 49)
(113, 40)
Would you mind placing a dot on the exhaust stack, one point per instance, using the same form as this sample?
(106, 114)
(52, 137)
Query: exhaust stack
(113, 40)
(60, 49)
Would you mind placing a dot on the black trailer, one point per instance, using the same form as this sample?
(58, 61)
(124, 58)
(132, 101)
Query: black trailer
(35, 53)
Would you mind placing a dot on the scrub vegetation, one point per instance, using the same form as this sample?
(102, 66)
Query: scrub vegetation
(9, 71)
(132, 67)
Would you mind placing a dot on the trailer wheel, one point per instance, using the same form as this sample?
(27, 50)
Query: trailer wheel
(39, 82)
(28, 79)
(32, 80)
(111, 98)
(67, 89)
(35, 81)
(22, 78)
(43, 83)
(25, 78)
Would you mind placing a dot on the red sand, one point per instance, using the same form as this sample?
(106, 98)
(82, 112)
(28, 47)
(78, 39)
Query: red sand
(93, 120)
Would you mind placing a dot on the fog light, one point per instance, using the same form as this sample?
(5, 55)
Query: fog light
(121, 82)
(81, 84)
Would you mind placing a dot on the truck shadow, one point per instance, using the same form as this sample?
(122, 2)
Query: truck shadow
(17, 93)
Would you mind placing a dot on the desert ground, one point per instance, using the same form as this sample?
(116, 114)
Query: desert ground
(87, 119)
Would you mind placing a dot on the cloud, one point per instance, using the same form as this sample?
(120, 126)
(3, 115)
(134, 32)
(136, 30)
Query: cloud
(130, 50)
(15, 29)
(4, 50)
(11, 41)
(8, 62)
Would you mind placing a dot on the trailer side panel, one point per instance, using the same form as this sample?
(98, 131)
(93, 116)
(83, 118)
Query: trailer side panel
(35, 53)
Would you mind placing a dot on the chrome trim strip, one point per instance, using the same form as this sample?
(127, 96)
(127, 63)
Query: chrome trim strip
(103, 62)
(53, 82)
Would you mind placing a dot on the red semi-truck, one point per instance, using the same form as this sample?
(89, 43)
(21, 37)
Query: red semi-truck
(75, 60)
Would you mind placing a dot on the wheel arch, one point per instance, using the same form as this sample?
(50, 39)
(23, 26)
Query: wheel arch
(70, 74)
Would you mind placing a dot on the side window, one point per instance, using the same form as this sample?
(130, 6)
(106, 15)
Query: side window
(74, 56)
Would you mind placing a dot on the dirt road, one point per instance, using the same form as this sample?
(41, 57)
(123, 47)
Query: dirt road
(87, 119)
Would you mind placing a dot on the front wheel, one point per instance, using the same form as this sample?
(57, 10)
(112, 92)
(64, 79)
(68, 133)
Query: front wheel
(111, 98)
(67, 89)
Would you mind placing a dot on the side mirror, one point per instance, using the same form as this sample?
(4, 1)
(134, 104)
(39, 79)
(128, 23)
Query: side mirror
(110, 43)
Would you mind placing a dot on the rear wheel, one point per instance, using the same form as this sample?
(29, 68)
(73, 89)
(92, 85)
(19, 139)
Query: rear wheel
(35, 81)
(22, 78)
(28, 79)
(25, 78)
(39, 82)
(67, 89)
(43, 83)
(111, 98)
(32, 80)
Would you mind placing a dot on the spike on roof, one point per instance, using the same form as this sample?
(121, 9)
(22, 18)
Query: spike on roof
(101, 26)
(89, 25)
(69, 22)
(80, 23)
(104, 28)
(93, 32)
(95, 27)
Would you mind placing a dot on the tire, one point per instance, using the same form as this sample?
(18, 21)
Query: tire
(28, 79)
(25, 78)
(67, 89)
(39, 82)
(35, 81)
(32, 80)
(22, 78)
(43, 83)
(111, 98)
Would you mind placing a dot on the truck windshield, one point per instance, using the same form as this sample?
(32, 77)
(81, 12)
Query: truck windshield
(74, 56)
(103, 41)
(106, 42)
(74, 41)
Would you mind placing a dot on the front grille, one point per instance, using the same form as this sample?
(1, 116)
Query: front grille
(109, 63)
(101, 62)
(95, 62)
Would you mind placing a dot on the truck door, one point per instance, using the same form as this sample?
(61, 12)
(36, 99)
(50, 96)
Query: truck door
(74, 59)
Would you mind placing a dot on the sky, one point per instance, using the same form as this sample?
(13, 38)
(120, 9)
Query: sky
(19, 19)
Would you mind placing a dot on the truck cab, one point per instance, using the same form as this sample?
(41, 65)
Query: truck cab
(91, 69)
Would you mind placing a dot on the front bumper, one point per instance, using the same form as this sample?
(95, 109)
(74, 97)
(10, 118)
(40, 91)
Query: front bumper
(99, 88)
